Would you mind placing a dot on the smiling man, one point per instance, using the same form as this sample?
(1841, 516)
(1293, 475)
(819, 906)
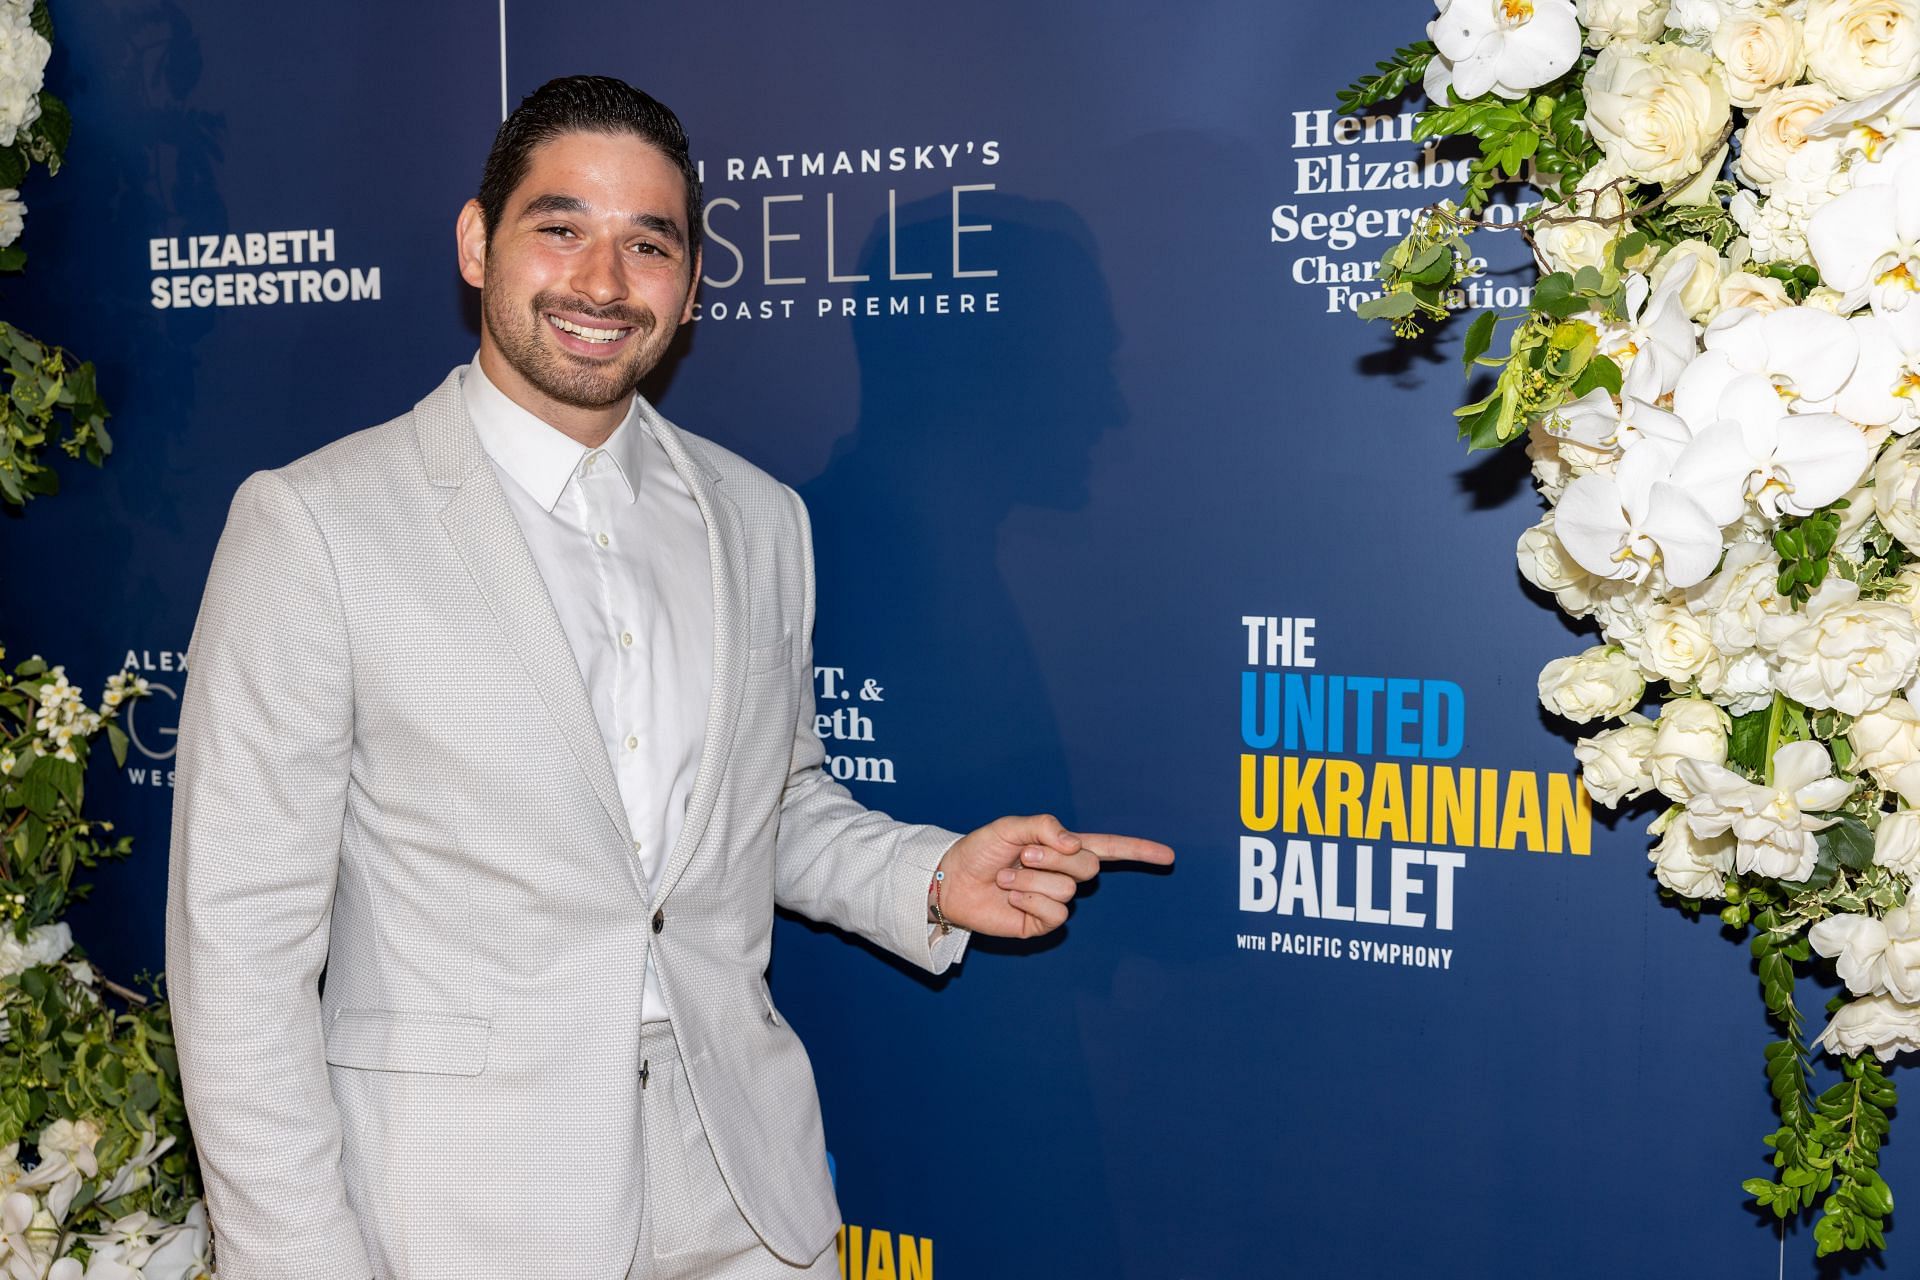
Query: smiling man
(501, 715)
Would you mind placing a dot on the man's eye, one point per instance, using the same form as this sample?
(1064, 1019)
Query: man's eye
(646, 247)
(556, 231)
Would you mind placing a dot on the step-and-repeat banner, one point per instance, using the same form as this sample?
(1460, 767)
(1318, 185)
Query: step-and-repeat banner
(1046, 310)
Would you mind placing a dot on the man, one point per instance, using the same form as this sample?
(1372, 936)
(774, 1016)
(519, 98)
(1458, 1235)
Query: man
(501, 713)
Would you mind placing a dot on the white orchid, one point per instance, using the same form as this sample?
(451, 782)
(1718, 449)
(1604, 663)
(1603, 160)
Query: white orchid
(1656, 341)
(1506, 47)
(1866, 241)
(1598, 421)
(1624, 525)
(1884, 390)
(66, 1160)
(134, 1174)
(27, 1235)
(1878, 128)
(183, 1251)
(1750, 448)
(1773, 825)
(1806, 353)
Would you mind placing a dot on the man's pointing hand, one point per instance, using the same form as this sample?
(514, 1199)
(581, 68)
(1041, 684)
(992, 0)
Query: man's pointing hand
(1014, 877)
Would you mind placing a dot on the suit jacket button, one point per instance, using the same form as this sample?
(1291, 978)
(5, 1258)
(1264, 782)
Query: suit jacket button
(659, 919)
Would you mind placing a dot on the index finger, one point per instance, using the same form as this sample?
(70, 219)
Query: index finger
(1127, 849)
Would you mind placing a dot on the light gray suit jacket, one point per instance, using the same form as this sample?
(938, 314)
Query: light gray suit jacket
(388, 767)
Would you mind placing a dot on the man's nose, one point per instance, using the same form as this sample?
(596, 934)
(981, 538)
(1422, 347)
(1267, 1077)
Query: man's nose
(597, 273)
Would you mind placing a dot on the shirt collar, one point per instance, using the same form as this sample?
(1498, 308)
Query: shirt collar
(540, 458)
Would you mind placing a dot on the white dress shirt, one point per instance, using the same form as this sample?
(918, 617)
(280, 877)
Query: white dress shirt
(622, 548)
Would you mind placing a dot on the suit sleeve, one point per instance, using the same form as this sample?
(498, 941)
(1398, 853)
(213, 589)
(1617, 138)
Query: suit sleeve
(265, 743)
(839, 862)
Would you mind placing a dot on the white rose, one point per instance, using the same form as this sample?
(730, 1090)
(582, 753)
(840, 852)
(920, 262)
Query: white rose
(1694, 20)
(70, 1137)
(23, 65)
(1896, 491)
(1550, 470)
(1688, 729)
(44, 945)
(1568, 245)
(1879, 1023)
(1896, 845)
(1886, 740)
(1759, 293)
(1843, 652)
(1613, 762)
(1744, 684)
(1602, 683)
(13, 216)
(1831, 301)
(1875, 957)
(1674, 644)
(1621, 607)
(1739, 598)
(1859, 47)
(1759, 53)
(1546, 564)
(1777, 133)
(1658, 110)
(1692, 866)
(1606, 21)
(1701, 267)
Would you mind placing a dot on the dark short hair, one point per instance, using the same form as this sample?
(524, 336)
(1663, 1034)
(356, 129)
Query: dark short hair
(583, 104)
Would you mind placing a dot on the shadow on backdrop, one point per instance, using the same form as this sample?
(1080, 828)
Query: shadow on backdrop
(963, 418)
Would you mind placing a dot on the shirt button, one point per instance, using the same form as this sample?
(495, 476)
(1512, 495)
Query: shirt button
(636, 846)
(600, 538)
(632, 742)
(626, 638)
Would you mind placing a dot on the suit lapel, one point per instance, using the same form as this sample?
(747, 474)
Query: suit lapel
(488, 539)
(727, 560)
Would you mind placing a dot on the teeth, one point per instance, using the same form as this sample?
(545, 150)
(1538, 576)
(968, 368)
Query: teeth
(581, 331)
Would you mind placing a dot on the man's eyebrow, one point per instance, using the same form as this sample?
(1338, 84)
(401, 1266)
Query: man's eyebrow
(664, 227)
(554, 202)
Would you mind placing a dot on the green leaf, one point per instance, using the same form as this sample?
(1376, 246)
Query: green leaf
(1390, 306)
(1600, 371)
(1747, 745)
(13, 167)
(1478, 338)
(1396, 74)
(55, 125)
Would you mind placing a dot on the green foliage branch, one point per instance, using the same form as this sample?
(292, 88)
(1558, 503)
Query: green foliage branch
(81, 1056)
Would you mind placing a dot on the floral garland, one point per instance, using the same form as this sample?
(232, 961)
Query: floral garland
(1718, 382)
(96, 1175)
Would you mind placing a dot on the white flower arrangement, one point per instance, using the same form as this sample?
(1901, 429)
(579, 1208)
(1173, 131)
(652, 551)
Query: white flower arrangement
(1718, 383)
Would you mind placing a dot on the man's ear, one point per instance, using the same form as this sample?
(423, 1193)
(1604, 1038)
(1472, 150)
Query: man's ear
(693, 290)
(470, 243)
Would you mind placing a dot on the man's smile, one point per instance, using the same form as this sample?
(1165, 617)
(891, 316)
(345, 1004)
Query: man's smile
(588, 337)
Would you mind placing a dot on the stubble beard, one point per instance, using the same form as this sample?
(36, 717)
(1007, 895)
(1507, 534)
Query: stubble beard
(558, 374)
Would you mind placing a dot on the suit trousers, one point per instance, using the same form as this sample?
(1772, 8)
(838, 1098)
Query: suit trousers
(690, 1227)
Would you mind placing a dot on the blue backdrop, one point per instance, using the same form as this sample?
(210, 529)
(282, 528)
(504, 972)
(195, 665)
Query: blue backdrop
(1044, 310)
